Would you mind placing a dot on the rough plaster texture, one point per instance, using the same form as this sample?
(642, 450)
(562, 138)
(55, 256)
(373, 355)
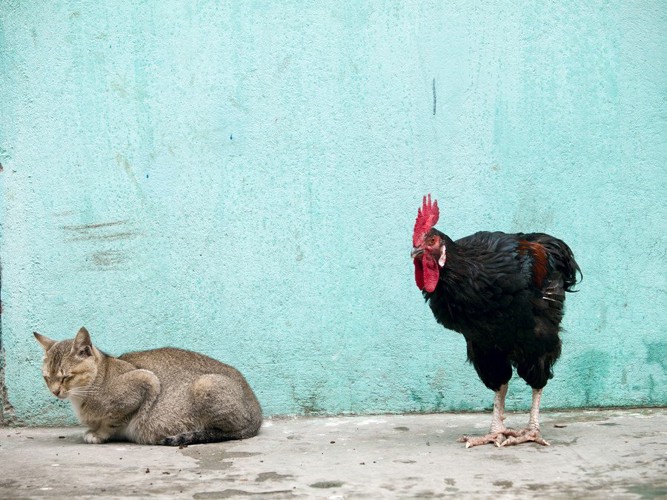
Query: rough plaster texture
(241, 178)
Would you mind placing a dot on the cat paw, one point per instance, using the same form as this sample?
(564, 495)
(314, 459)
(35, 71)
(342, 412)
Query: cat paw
(91, 438)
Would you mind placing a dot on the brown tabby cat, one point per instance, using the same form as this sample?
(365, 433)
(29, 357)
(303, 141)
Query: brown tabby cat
(164, 396)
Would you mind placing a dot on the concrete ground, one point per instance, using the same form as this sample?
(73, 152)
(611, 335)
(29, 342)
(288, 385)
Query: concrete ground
(593, 454)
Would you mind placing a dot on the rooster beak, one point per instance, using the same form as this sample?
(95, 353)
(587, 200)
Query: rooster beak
(416, 252)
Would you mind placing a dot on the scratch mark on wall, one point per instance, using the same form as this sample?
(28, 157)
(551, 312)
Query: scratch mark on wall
(106, 237)
(64, 213)
(108, 258)
(123, 162)
(98, 231)
(105, 259)
(85, 227)
(435, 99)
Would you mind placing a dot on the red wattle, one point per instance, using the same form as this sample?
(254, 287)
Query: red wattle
(419, 274)
(431, 272)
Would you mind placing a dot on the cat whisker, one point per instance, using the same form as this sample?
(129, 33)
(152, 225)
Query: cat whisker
(82, 391)
(74, 391)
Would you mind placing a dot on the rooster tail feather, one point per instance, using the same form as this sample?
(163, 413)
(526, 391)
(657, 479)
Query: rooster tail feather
(562, 259)
(564, 262)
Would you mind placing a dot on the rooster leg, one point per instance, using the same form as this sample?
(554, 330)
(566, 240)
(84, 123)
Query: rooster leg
(498, 432)
(532, 432)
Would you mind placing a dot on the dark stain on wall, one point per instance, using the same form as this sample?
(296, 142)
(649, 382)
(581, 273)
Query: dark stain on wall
(657, 353)
(6, 409)
(309, 405)
(592, 368)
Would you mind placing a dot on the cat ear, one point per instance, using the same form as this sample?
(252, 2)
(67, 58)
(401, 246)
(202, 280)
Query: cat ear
(46, 342)
(82, 345)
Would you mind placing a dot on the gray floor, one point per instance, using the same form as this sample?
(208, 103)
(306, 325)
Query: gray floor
(593, 454)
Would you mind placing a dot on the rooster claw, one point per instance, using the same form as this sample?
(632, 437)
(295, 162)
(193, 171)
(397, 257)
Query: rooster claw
(525, 436)
(497, 438)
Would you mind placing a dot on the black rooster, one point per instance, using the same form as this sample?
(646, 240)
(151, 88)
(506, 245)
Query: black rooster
(505, 294)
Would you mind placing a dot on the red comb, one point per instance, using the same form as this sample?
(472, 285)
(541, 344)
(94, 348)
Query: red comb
(427, 217)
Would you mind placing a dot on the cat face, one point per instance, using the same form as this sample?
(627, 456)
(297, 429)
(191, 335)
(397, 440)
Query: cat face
(69, 367)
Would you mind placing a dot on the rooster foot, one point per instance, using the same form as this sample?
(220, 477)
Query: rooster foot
(505, 437)
(496, 438)
(524, 436)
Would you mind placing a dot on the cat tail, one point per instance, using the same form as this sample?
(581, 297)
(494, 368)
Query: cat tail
(204, 436)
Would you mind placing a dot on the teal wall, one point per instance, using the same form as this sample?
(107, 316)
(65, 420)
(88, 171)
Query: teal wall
(242, 178)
